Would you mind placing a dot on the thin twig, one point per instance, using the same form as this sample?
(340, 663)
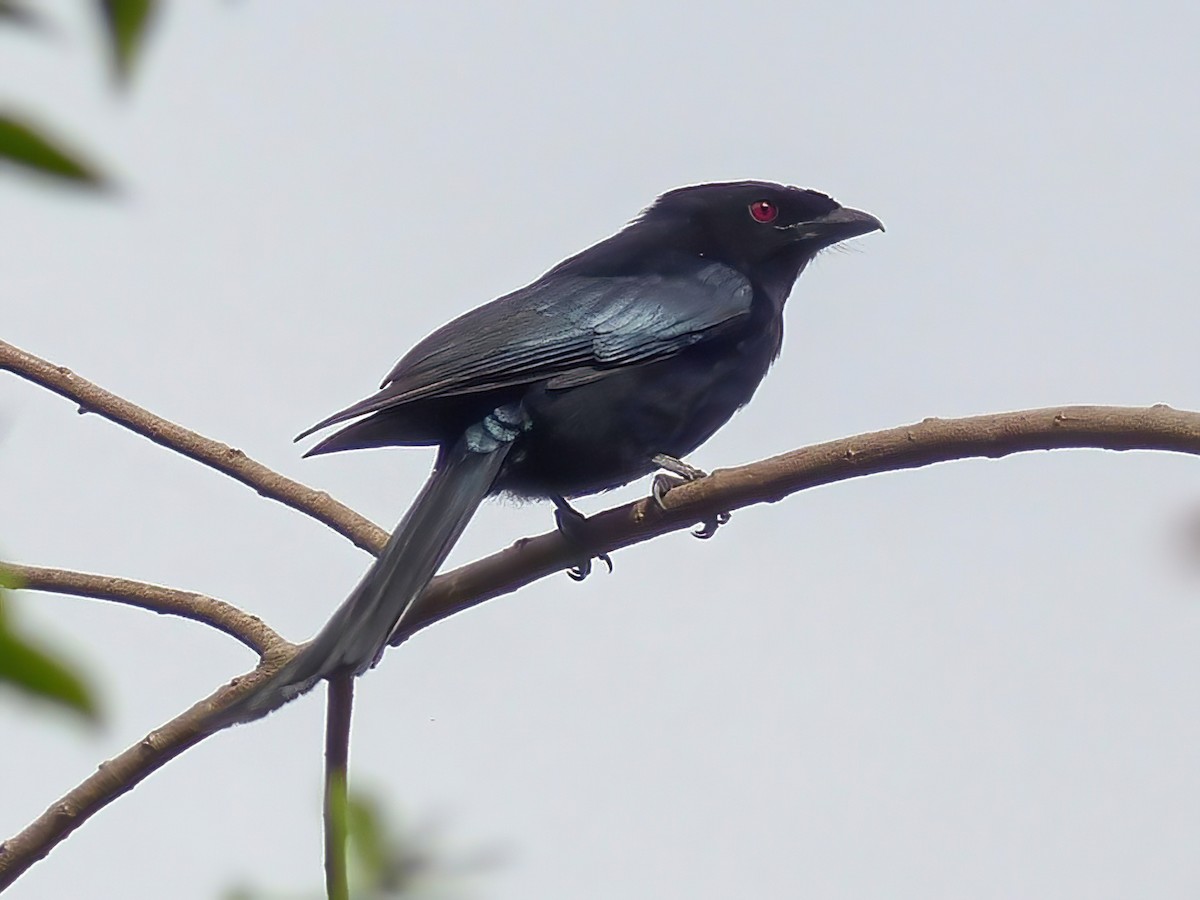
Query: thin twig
(225, 459)
(250, 630)
(337, 775)
(931, 441)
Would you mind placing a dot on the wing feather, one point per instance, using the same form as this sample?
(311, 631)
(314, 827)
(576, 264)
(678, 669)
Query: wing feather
(562, 323)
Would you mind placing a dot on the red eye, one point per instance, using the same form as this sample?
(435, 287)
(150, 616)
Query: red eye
(764, 211)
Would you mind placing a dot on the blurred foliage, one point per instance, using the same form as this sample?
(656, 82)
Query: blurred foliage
(24, 145)
(127, 22)
(18, 14)
(382, 862)
(385, 863)
(37, 672)
(33, 148)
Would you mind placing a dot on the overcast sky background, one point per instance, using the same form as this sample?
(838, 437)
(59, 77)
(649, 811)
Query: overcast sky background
(980, 679)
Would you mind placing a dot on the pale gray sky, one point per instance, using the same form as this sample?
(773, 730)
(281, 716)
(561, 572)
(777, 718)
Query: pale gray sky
(975, 680)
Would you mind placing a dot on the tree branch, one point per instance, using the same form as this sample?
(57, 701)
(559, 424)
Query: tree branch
(228, 460)
(931, 441)
(116, 776)
(250, 630)
(337, 777)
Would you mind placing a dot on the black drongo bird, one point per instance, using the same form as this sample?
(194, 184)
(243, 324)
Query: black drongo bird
(622, 358)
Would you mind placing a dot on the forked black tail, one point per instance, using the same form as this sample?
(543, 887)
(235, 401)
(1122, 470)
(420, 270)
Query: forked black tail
(356, 634)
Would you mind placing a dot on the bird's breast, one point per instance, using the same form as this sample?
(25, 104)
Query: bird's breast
(602, 430)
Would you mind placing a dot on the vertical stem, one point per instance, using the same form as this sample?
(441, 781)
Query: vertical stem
(337, 758)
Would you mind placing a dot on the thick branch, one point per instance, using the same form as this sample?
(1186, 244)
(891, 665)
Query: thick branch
(250, 630)
(931, 441)
(222, 457)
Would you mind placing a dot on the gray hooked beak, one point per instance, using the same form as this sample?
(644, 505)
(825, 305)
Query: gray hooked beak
(841, 224)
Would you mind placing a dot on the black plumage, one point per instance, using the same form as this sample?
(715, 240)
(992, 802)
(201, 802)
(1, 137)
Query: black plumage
(642, 345)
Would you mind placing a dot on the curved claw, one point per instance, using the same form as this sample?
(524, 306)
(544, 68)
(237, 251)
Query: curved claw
(660, 486)
(709, 528)
(583, 569)
(664, 483)
(569, 520)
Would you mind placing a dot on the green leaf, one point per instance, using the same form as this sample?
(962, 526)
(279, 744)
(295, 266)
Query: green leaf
(35, 672)
(10, 581)
(127, 22)
(23, 145)
(367, 838)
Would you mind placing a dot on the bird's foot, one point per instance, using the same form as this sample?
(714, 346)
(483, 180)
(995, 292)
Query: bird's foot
(660, 486)
(569, 521)
(678, 467)
(663, 483)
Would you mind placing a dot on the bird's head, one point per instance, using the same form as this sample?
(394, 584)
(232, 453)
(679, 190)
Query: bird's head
(767, 231)
(756, 225)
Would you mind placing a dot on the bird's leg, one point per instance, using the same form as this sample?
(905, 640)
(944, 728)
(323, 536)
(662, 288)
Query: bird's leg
(663, 483)
(678, 467)
(569, 520)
